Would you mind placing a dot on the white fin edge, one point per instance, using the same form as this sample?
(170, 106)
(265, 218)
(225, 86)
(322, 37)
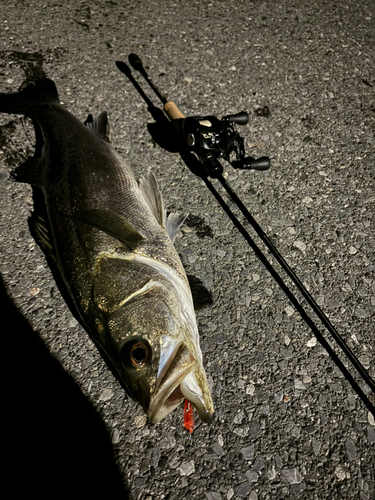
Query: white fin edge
(174, 222)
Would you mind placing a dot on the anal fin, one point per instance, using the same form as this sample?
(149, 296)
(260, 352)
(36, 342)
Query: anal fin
(40, 232)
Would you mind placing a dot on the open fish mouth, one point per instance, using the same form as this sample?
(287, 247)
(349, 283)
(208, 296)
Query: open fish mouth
(178, 379)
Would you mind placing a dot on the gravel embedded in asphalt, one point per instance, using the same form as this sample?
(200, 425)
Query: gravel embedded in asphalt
(288, 425)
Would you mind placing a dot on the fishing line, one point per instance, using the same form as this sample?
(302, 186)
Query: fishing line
(205, 139)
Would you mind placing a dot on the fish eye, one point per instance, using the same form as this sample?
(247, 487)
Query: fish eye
(139, 354)
(136, 353)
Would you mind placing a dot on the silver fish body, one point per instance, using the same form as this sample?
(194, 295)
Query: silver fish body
(112, 246)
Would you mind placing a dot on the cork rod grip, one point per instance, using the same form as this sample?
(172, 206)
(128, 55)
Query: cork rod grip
(172, 111)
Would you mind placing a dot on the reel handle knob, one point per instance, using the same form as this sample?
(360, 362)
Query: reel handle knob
(241, 118)
(250, 163)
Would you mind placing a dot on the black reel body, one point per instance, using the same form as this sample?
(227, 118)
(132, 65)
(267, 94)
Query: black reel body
(209, 137)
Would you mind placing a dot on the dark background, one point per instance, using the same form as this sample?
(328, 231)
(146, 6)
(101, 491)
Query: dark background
(287, 424)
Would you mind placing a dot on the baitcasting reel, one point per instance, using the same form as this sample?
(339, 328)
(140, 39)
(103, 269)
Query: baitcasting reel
(207, 136)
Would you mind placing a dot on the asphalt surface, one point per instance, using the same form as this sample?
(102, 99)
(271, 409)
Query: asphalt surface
(288, 424)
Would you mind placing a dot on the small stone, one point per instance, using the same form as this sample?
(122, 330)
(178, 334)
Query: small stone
(239, 417)
(340, 473)
(311, 342)
(310, 428)
(371, 434)
(250, 389)
(287, 340)
(365, 360)
(247, 452)
(256, 277)
(265, 410)
(307, 200)
(220, 440)
(293, 476)
(230, 493)
(216, 448)
(241, 384)
(156, 456)
(278, 397)
(353, 250)
(296, 489)
(300, 244)
(271, 473)
(106, 395)
(187, 468)
(370, 418)
(289, 310)
(351, 449)
(253, 495)
(139, 482)
(278, 461)
(316, 445)
(259, 464)
(213, 495)
(242, 489)
(255, 429)
(298, 384)
(335, 387)
(252, 476)
(295, 432)
(242, 431)
(360, 313)
(140, 421)
(115, 436)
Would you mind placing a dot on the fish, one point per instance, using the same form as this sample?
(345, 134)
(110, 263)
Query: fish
(111, 241)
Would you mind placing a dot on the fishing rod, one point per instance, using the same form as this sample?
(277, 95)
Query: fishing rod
(203, 140)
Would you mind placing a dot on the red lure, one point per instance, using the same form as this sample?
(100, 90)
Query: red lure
(189, 423)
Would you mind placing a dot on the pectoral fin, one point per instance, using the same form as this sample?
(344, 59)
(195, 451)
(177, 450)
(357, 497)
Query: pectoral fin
(113, 224)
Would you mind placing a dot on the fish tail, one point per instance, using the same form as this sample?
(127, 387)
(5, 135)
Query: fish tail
(40, 92)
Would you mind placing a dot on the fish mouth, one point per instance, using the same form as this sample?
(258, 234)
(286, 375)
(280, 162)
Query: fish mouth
(178, 379)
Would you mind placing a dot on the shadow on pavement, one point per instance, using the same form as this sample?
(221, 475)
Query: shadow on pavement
(55, 442)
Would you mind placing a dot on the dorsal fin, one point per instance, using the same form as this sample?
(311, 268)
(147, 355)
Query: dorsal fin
(150, 191)
(99, 126)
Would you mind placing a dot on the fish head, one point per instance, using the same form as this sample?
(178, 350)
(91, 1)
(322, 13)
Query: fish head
(151, 338)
